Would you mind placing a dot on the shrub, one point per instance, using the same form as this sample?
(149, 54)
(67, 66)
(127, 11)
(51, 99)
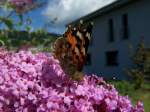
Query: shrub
(124, 87)
(141, 68)
(36, 83)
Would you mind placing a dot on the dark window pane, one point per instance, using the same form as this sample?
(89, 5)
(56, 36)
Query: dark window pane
(125, 26)
(111, 30)
(112, 58)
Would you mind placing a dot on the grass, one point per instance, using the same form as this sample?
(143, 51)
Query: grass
(142, 94)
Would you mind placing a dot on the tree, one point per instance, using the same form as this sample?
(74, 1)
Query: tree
(141, 68)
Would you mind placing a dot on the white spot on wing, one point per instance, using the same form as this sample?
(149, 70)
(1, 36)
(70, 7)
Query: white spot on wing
(88, 36)
(77, 51)
(79, 35)
(83, 50)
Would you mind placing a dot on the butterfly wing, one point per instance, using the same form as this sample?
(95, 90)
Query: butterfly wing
(79, 38)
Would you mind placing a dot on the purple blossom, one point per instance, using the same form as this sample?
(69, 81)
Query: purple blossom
(36, 83)
(21, 2)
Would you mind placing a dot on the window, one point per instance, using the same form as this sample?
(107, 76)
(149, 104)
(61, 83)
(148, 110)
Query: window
(112, 58)
(111, 30)
(88, 59)
(125, 26)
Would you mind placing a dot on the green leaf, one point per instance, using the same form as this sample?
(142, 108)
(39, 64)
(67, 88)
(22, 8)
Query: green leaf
(28, 28)
(8, 22)
(20, 16)
(9, 6)
(2, 43)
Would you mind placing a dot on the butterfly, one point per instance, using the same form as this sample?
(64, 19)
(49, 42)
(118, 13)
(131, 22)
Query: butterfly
(71, 49)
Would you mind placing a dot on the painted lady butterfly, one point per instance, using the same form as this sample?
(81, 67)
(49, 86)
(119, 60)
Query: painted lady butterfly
(71, 49)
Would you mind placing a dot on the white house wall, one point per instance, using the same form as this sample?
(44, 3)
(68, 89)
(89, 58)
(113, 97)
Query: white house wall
(139, 26)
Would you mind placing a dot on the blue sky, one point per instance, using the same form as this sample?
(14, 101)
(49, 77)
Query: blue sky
(63, 11)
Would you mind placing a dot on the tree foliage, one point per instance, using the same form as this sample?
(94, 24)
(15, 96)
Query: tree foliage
(12, 35)
(141, 68)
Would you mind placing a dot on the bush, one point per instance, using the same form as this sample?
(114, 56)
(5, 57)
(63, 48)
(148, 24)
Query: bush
(141, 68)
(124, 87)
(14, 39)
(36, 83)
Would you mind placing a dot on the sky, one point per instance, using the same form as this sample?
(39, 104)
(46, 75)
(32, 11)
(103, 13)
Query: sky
(57, 13)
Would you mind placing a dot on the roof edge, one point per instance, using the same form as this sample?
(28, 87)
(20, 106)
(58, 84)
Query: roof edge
(101, 11)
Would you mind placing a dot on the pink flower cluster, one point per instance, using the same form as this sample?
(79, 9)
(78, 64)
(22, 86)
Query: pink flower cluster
(36, 83)
(21, 2)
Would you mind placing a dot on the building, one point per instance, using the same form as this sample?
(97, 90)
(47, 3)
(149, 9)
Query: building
(117, 27)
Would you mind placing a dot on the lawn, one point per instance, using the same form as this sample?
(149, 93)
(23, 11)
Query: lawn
(142, 94)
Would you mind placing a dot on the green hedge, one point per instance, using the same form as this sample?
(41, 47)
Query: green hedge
(16, 39)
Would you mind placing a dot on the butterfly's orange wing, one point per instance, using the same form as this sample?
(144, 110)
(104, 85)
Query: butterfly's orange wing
(78, 39)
